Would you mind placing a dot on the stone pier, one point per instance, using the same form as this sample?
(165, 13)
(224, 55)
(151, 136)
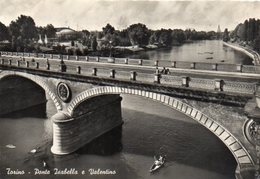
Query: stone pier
(90, 119)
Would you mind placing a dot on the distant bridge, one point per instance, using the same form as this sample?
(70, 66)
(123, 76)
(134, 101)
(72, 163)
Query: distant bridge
(80, 87)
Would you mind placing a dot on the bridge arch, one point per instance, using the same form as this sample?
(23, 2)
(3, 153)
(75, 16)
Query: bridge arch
(234, 145)
(36, 80)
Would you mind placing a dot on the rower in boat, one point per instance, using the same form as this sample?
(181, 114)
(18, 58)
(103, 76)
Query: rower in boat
(158, 163)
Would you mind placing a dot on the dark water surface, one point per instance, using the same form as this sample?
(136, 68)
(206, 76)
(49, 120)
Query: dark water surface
(149, 128)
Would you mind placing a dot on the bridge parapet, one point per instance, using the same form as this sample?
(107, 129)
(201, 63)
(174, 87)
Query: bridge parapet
(166, 63)
(220, 85)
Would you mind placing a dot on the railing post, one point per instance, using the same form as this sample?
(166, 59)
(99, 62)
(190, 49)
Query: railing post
(78, 69)
(156, 63)
(192, 65)
(86, 58)
(10, 62)
(215, 67)
(239, 68)
(185, 81)
(51, 55)
(97, 59)
(67, 57)
(27, 64)
(174, 64)
(94, 72)
(18, 63)
(77, 57)
(112, 73)
(219, 85)
(47, 66)
(62, 66)
(133, 76)
(140, 62)
(126, 61)
(2, 61)
(44, 55)
(37, 65)
(157, 77)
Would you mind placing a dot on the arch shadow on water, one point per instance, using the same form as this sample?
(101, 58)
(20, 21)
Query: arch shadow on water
(21, 97)
(37, 112)
(107, 144)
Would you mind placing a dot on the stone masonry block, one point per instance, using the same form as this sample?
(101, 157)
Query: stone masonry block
(194, 113)
(198, 116)
(240, 153)
(219, 130)
(235, 146)
(230, 140)
(224, 136)
(175, 104)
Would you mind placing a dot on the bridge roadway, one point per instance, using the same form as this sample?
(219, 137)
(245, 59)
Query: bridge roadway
(209, 74)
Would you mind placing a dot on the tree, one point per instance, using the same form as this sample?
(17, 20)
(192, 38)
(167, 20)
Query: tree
(22, 32)
(124, 38)
(3, 32)
(178, 35)
(154, 38)
(245, 33)
(256, 44)
(165, 37)
(226, 35)
(108, 29)
(138, 34)
(24, 27)
(50, 31)
(94, 43)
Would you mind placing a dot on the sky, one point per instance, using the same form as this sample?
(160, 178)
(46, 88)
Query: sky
(94, 14)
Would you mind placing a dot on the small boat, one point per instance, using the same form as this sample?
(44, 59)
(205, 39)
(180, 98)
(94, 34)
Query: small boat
(10, 146)
(157, 164)
(33, 151)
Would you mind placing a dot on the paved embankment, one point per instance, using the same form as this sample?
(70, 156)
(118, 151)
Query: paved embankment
(251, 53)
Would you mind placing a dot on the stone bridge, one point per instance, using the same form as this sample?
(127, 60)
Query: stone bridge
(86, 95)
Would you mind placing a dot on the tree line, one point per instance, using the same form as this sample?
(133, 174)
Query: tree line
(23, 35)
(247, 33)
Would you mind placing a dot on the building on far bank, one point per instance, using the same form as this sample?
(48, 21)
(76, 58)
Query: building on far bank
(66, 33)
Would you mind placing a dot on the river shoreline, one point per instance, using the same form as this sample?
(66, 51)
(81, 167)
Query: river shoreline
(251, 53)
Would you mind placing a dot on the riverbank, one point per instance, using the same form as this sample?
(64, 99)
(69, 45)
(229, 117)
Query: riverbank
(249, 52)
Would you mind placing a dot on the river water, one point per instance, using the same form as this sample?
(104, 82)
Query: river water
(208, 51)
(149, 128)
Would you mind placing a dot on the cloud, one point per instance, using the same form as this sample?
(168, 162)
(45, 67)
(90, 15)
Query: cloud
(93, 15)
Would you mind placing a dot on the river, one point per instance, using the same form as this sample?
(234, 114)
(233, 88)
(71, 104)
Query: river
(208, 51)
(149, 128)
